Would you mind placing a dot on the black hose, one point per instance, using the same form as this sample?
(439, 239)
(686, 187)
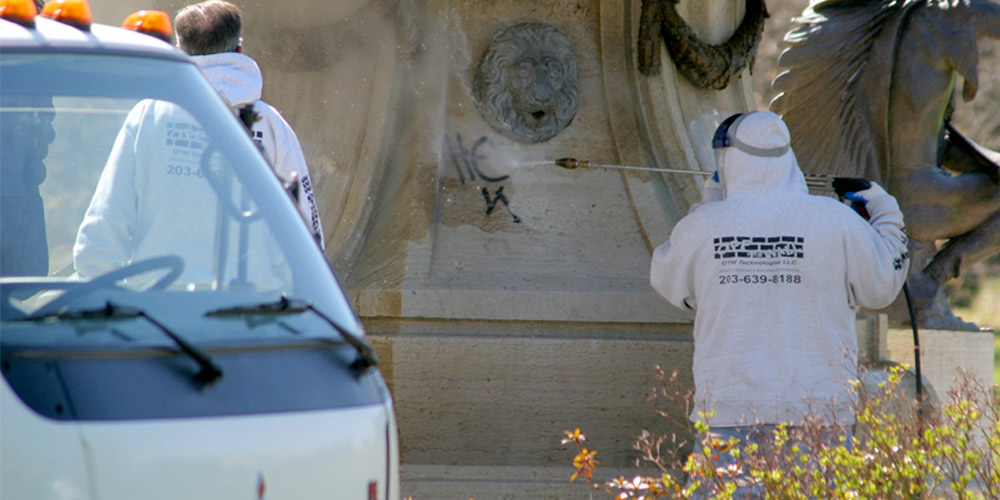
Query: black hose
(916, 354)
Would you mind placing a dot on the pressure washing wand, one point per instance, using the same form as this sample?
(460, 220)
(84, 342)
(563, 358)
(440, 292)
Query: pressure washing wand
(817, 182)
(571, 163)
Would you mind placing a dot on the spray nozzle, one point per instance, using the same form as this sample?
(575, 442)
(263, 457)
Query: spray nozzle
(571, 163)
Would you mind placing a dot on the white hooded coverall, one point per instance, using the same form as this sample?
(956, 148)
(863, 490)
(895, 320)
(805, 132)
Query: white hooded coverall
(153, 199)
(775, 276)
(238, 80)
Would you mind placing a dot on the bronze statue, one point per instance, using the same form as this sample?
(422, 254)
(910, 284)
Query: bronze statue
(526, 83)
(867, 90)
(706, 66)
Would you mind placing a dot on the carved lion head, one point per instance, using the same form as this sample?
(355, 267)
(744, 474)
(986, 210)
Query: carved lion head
(525, 86)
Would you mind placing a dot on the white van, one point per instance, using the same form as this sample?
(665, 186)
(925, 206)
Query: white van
(190, 340)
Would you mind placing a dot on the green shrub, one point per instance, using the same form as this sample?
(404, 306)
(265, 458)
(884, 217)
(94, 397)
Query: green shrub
(939, 455)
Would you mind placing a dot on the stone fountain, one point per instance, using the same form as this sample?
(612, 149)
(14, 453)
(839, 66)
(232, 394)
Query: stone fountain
(508, 299)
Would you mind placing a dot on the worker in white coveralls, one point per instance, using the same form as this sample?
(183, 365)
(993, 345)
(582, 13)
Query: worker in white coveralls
(775, 276)
(211, 32)
(154, 199)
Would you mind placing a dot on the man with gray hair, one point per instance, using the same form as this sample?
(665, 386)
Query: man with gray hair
(211, 33)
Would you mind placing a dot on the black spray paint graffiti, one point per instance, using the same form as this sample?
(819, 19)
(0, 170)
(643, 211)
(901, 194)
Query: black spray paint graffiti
(466, 162)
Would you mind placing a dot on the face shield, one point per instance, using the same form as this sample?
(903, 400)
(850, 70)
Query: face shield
(754, 150)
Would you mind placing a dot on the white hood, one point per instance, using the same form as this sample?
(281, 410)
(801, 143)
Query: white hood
(740, 171)
(236, 76)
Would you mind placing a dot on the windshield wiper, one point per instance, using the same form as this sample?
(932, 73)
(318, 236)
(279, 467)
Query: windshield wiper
(209, 372)
(366, 359)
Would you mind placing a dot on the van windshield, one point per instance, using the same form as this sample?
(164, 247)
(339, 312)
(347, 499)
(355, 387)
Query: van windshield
(127, 176)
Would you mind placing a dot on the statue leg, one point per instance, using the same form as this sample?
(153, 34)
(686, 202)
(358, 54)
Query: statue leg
(939, 206)
(965, 210)
(932, 268)
(971, 247)
(933, 311)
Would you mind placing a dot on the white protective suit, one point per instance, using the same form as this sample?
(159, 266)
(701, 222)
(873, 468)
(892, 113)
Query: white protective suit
(775, 276)
(238, 80)
(153, 199)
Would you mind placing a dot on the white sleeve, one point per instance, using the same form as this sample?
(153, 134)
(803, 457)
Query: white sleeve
(877, 257)
(286, 158)
(670, 272)
(103, 242)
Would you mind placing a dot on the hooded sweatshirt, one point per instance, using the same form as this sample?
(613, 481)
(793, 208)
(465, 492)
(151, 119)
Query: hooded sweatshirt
(238, 80)
(775, 277)
(152, 199)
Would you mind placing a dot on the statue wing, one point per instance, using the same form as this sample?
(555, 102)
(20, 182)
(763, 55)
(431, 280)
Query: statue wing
(833, 91)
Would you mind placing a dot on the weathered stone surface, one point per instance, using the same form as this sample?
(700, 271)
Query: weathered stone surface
(475, 393)
(945, 356)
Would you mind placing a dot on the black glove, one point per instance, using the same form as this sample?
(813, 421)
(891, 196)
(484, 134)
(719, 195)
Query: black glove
(858, 191)
(844, 185)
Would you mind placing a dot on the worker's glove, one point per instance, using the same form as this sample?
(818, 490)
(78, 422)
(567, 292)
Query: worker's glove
(712, 190)
(844, 185)
(866, 195)
(867, 198)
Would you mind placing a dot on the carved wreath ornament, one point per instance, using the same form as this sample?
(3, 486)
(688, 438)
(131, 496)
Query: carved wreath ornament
(706, 66)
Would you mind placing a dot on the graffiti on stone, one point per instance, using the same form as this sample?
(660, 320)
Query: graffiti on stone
(469, 165)
(466, 161)
(498, 197)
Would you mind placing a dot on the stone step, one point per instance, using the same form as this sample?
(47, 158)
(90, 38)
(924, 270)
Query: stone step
(503, 393)
(449, 482)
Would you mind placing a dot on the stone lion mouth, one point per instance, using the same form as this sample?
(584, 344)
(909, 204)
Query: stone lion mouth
(538, 115)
